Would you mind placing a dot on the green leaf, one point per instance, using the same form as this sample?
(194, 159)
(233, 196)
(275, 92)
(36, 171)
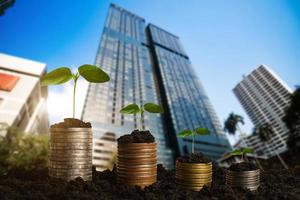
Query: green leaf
(185, 133)
(93, 74)
(236, 152)
(57, 76)
(153, 108)
(202, 131)
(247, 150)
(130, 109)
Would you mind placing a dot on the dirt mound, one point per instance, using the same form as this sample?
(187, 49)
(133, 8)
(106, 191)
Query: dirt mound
(194, 158)
(137, 137)
(18, 184)
(242, 166)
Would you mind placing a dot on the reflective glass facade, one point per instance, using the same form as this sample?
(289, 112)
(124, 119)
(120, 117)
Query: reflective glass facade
(183, 96)
(124, 55)
(150, 65)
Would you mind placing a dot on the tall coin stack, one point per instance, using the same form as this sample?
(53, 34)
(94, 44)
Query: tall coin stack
(137, 164)
(193, 176)
(70, 153)
(245, 179)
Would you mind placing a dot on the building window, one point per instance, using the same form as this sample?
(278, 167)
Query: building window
(8, 81)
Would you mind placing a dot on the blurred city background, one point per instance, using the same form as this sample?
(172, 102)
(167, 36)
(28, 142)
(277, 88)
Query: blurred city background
(231, 66)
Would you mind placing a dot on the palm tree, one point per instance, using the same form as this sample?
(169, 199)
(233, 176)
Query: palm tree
(292, 121)
(232, 124)
(265, 132)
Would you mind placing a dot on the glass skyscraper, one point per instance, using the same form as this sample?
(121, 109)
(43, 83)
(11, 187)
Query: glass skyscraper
(148, 64)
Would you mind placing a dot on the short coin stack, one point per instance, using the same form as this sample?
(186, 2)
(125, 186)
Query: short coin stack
(193, 175)
(137, 164)
(245, 179)
(70, 153)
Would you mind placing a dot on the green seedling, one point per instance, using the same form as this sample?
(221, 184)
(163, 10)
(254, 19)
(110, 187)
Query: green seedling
(134, 109)
(91, 73)
(243, 152)
(197, 131)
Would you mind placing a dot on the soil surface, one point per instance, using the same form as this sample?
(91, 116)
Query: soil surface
(242, 166)
(72, 123)
(194, 158)
(137, 137)
(18, 184)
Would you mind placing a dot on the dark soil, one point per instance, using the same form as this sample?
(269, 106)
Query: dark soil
(72, 123)
(137, 137)
(18, 184)
(194, 158)
(242, 166)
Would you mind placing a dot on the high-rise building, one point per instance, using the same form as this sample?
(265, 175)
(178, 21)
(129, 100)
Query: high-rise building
(148, 64)
(22, 100)
(184, 99)
(265, 97)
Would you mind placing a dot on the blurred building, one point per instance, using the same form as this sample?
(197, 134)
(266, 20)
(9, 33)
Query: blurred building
(104, 151)
(150, 65)
(265, 97)
(22, 100)
(228, 159)
(184, 99)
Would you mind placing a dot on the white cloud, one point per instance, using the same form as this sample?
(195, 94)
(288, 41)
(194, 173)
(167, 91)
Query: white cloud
(60, 100)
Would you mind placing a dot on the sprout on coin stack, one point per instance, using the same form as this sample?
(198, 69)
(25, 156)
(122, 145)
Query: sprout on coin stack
(193, 170)
(137, 161)
(243, 174)
(70, 148)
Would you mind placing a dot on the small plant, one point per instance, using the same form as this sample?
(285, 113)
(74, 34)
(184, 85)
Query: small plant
(242, 152)
(193, 133)
(135, 109)
(91, 73)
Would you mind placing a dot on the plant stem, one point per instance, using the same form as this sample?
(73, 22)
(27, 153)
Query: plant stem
(193, 143)
(141, 119)
(74, 93)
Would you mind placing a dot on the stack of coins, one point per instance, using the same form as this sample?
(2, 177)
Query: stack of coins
(193, 175)
(245, 179)
(70, 153)
(137, 164)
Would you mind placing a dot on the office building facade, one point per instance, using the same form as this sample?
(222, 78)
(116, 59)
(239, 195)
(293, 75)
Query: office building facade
(133, 54)
(22, 100)
(265, 97)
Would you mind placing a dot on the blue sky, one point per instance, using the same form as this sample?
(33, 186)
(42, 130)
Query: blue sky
(224, 38)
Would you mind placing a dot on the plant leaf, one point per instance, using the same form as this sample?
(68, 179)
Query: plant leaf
(185, 133)
(153, 108)
(57, 76)
(93, 74)
(202, 131)
(130, 109)
(236, 152)
(247, 150)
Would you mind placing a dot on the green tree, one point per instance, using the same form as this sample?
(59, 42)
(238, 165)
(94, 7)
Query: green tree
(232, 124)
(26, 151)
(265, 133)
(292, 121)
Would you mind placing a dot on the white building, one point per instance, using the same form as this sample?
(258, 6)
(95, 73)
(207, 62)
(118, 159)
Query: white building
(22, 100)
(265, 97)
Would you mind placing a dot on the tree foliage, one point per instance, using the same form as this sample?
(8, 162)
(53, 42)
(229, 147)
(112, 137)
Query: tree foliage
(292, 121)
(231, 123)
(26, 151)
